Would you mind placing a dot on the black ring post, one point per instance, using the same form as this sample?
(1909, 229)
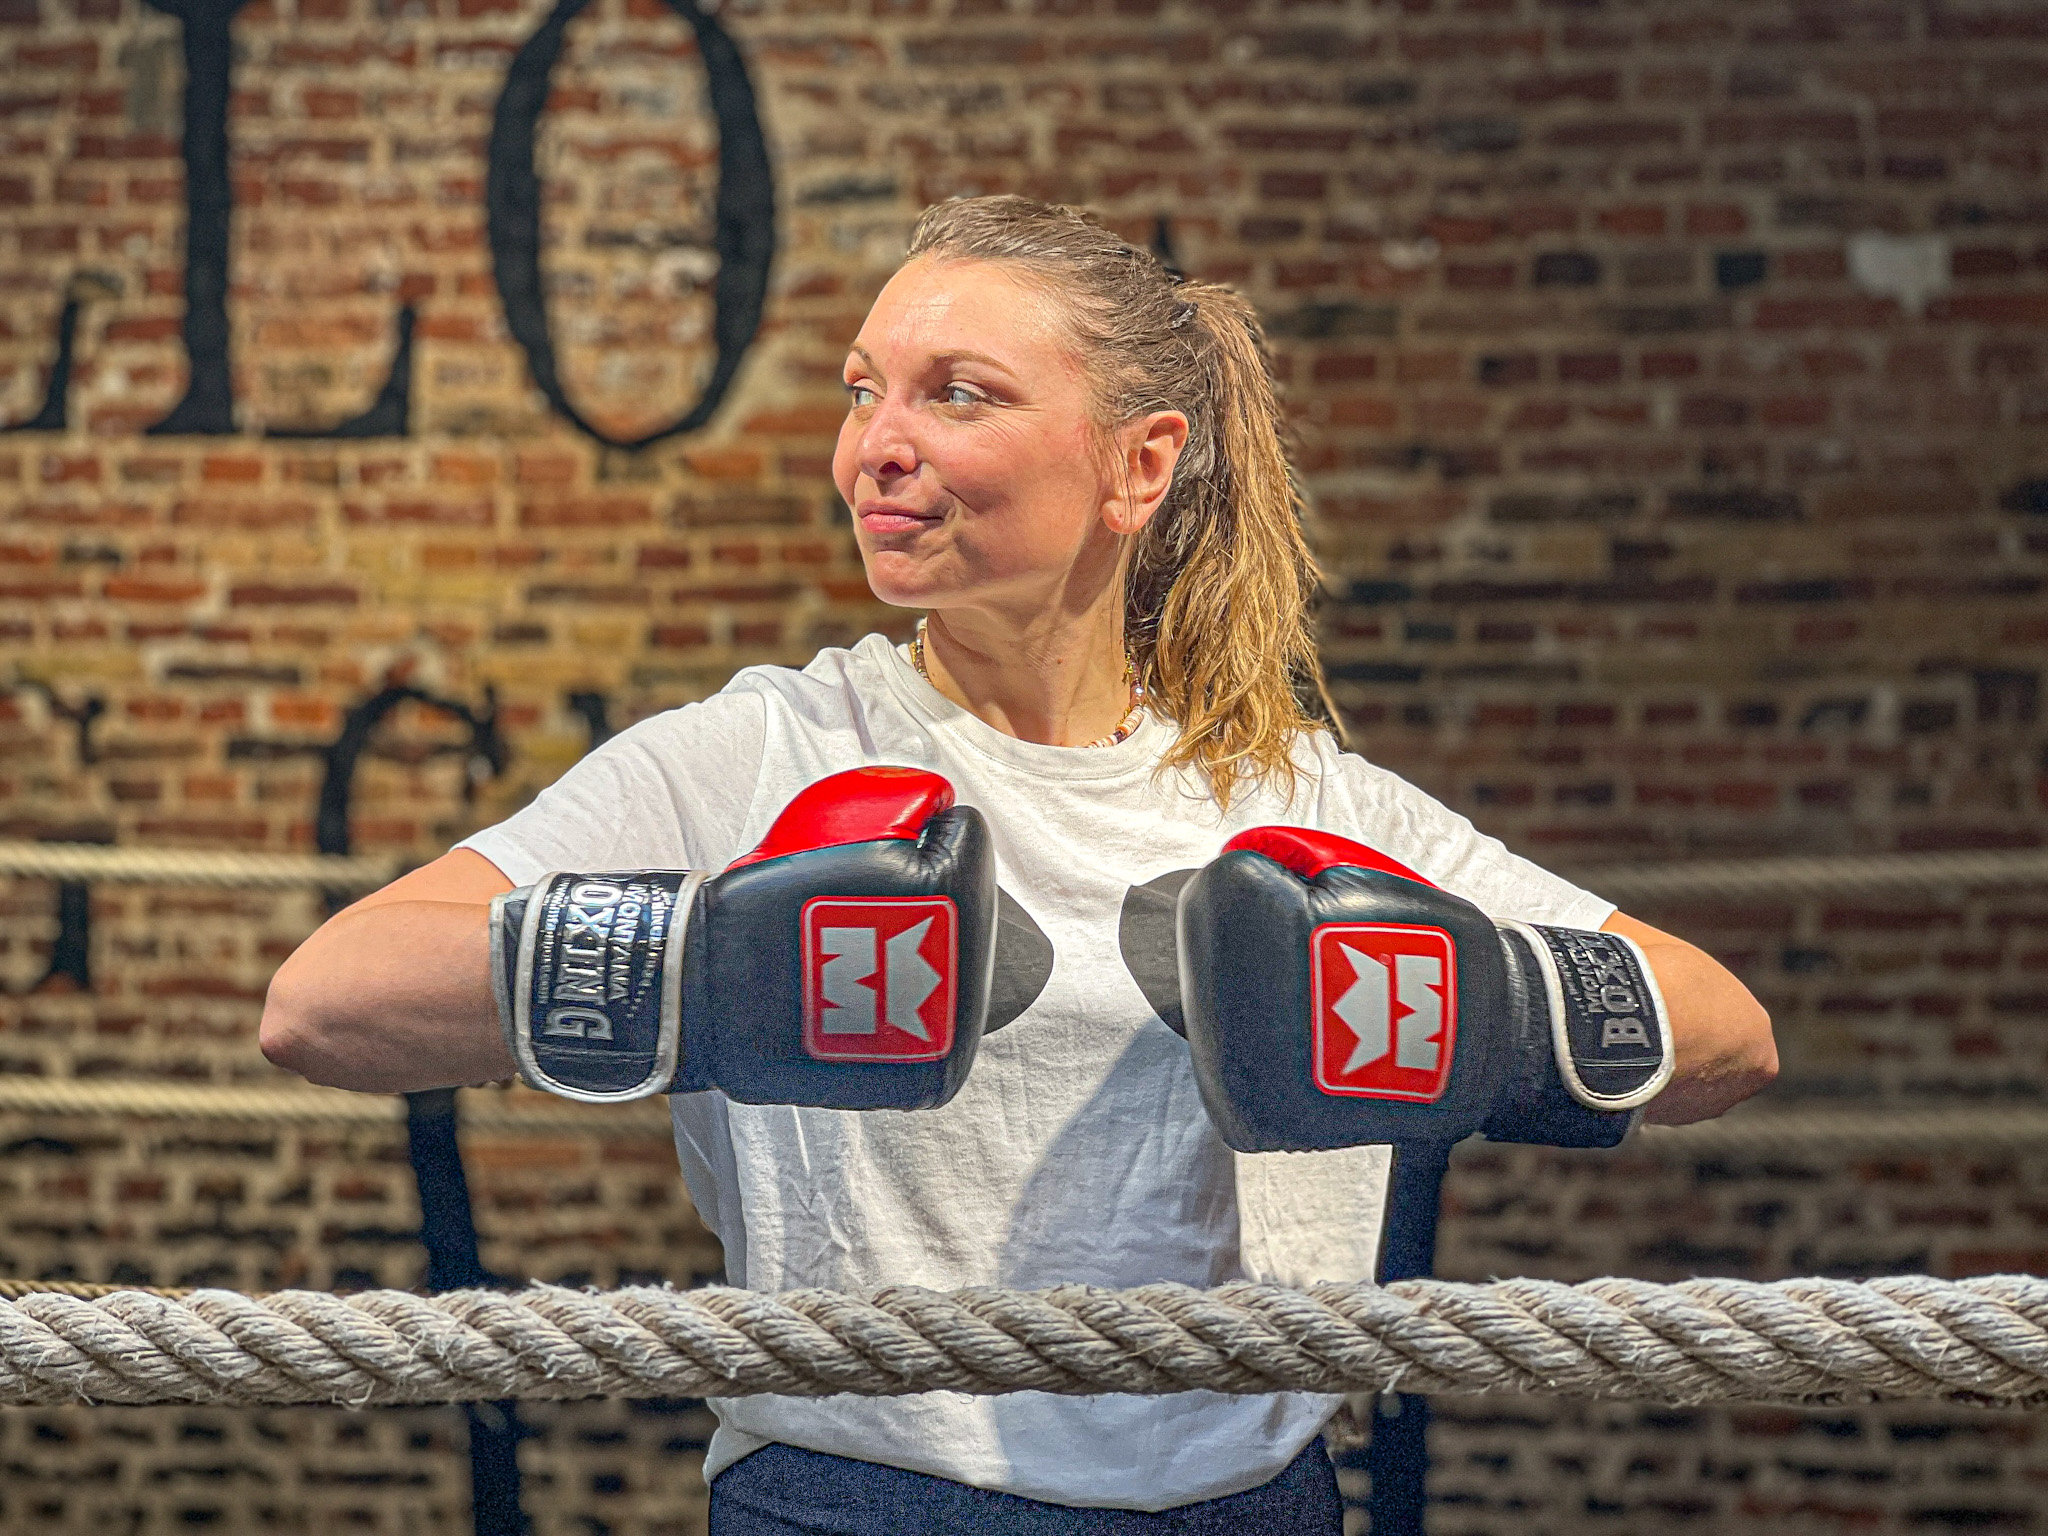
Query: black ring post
(447, 1221)
(1397, 1455)
(448, 1229)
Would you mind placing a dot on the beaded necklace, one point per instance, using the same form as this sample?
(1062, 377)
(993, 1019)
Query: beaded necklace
(1130, 722)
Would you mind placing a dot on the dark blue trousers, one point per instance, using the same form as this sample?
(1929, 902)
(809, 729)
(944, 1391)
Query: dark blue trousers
(782, 1491)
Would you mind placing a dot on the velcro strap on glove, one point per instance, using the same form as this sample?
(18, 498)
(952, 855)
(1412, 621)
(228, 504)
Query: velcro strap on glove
(1597, 1045)
(1608, 1030)
(588, 970)
(1608, 1027)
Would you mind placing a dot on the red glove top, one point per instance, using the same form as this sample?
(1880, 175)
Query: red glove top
(1309, 853)
(861, 805)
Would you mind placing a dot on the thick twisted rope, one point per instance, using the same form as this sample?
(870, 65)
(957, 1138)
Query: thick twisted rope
(195, 866)
(1797, 1129)
(1711, 878)
(1793, 1341)
(1789, 1128)
(90, 1290)
(517, 1112)
(1816, 876)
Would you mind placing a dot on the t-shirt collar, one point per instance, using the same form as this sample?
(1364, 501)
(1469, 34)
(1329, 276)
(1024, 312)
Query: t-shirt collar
(1136, 752)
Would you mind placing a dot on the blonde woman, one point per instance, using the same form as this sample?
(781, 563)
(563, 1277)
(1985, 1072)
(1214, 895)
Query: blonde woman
(1071, 461)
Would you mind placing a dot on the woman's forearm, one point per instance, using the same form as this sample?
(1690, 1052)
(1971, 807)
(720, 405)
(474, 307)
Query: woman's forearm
(388, 997)
(1722, 1036)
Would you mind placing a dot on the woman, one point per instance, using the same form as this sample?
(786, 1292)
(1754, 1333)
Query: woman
(1072, 461)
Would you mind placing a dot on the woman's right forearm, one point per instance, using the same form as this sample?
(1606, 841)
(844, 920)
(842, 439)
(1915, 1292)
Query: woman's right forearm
(389, 997)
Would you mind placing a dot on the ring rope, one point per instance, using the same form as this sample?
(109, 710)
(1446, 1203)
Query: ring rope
(1848, 874)
(315, 1106)
(1909, 1337)
(1702, 878)
(1790, 1127)
(88, 1289)
(1796, 1129)
(196, 866)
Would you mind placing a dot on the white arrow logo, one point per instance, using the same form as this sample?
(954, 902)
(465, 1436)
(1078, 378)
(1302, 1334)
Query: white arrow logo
(909, 980)
(1363, 1008)
(849, 962)
(1367, 1010)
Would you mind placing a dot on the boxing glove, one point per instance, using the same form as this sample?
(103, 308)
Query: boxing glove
(1334, 997)
(842, 963)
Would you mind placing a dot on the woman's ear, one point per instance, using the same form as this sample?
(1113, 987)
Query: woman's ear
(1149, 448)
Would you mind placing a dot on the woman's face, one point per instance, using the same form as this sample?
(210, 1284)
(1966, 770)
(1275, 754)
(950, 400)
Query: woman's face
(968, 454)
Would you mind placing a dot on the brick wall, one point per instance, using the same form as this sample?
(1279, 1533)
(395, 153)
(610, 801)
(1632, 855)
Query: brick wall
(1669, 380)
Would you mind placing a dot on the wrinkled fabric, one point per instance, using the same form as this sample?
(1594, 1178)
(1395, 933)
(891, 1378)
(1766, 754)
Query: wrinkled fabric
(1079, 1150)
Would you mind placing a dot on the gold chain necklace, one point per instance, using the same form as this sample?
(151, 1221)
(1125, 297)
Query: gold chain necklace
(1130, 722)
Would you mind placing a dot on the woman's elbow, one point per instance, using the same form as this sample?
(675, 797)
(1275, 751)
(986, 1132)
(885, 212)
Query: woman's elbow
(1720, 1067)
(292, 1034)
(1754, 1064)
(285, 1035)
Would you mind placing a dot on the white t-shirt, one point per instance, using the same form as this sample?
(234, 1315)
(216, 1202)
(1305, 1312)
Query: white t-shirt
(1078, 1150)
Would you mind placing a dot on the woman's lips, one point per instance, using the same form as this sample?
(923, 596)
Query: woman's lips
(886, 519)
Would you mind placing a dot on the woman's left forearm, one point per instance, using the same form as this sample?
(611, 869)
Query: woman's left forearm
(1721, 1034)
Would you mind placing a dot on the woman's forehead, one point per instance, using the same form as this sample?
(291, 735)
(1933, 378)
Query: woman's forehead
(949, 308)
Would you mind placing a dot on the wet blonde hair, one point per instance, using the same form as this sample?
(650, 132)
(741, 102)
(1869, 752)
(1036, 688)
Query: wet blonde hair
(1220, 583)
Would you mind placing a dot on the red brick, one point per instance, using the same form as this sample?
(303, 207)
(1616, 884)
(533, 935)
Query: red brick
(1716, 219)
(274, 593)
(1813, 127)
(1633, 220)
(231, 469)
(135, 589)
(609, 511)
(2029, 309)
(1839, 314)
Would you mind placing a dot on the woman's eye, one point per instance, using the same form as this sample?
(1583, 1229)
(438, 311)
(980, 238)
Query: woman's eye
(961, 395)
(860, 394)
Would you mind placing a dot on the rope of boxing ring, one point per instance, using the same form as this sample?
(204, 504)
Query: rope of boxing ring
(195, 866)
(1794, 1129)
(1981, 1340)
(1792, 876)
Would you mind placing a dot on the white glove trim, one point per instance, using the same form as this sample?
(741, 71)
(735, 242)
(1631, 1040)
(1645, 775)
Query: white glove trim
(515, 1012)
(1560, 1037)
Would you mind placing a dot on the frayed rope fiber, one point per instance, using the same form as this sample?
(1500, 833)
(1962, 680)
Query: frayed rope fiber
(1910, 1337)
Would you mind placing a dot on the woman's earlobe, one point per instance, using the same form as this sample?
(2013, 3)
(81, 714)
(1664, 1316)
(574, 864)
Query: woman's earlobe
(1126, 520)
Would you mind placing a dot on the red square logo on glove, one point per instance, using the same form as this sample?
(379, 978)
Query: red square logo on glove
(1385, 999)
(880, 977)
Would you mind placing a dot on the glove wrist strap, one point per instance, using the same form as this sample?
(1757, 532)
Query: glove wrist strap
(1608, 1029)
(588, 971)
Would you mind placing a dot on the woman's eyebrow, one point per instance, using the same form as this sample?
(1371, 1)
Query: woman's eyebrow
(961, 355)
(974, 357)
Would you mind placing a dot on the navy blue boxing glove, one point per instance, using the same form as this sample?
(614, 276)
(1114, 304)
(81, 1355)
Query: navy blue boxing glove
(843, 963)
(1333, 997)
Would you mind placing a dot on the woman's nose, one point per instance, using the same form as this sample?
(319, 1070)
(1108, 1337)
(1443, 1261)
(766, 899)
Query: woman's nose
(886, 449)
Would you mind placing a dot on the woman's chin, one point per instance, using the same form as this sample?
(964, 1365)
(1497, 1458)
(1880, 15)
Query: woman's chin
(903, 582)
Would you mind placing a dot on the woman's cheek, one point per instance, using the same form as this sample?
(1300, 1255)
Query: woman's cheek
(846, 460)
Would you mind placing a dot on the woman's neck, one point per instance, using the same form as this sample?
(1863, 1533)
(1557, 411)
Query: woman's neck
(1054, 678)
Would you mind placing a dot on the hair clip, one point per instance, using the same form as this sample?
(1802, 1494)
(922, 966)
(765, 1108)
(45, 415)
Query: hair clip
(1182, 314)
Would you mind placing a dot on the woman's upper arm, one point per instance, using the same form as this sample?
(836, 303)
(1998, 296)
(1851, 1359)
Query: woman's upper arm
(460, 875)
(394, 992)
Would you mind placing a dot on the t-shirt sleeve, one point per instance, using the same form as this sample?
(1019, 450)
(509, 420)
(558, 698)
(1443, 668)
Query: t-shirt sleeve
(1385, 811)
(670, 793)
